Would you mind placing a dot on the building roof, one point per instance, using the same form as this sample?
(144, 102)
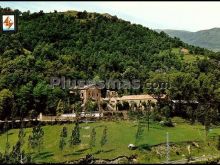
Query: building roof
(137, 97)
(184, 50)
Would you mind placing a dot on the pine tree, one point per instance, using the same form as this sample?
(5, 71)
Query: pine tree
(62, 143)
(17, 152)
(65, 132)
(21, 135)
(75, 136)
(63, 136)
(104, 137)
(36, 139)
(139, 133)
(92, 138)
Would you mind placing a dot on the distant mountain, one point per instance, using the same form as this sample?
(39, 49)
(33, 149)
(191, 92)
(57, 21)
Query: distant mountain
(205, 38)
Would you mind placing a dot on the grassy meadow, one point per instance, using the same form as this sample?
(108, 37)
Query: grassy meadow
(120, 134)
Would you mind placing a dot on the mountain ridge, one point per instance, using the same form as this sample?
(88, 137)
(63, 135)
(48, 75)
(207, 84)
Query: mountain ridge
(208, 38)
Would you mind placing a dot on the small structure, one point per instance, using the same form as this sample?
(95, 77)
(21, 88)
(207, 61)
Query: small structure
(132, 146)
(93, 92)
(112, 98)
(138, 99)
(82, 114)
(184, 51)
(110, 94)
(87, 92)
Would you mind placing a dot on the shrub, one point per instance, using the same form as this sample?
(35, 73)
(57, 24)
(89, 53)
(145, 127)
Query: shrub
(156, 116)
(167, 123)
(144, 147)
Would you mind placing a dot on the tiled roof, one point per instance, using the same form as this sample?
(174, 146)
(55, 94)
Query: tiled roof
(137, 97)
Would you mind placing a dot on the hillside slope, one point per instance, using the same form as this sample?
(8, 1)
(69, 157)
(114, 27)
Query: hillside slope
(80, 46)
(95, 44)
(209, 39)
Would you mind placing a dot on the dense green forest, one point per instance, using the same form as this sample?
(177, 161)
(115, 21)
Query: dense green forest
(81, 45)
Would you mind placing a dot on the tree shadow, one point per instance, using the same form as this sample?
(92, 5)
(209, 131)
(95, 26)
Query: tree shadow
(47, 156)
(103, 151)
(107, 151)
(43, 155)
(154, 127)
(97, 152)
(81, 150)
(74, 153)
(144, 147)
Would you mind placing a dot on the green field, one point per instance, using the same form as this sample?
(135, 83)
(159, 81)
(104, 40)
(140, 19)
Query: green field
(120, 134)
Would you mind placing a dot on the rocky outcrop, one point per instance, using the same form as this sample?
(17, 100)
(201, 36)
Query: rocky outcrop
(89, 159)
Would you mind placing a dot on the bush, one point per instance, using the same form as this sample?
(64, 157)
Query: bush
(167, 123)
(156, 117)
(144, 147)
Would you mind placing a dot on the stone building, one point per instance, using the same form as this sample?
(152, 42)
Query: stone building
(112, 98)
(184, 51)
(88, 92)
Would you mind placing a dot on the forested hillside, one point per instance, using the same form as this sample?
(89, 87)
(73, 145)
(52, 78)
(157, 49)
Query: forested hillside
(81, 45)
(209, 39)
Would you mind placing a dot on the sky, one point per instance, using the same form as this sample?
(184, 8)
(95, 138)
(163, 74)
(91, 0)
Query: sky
(190, 16)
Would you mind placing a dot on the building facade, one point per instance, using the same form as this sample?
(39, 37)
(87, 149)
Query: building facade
(88, 92)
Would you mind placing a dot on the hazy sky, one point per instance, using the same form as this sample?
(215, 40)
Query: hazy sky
(192, 16)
